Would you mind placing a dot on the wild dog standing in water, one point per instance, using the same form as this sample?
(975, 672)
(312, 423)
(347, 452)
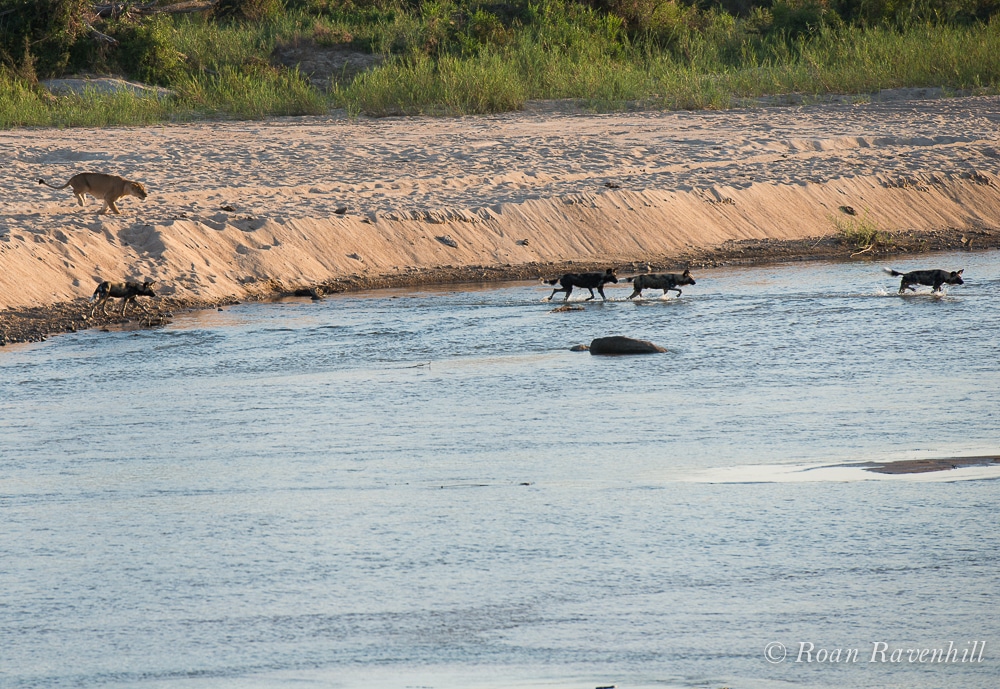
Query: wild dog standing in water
(108, 188)
(931, 278)
(664, 281)
(126, 291)
(589, 281)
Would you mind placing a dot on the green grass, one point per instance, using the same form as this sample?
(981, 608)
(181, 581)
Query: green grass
(862, 234)
(846, 62)
(435, 64)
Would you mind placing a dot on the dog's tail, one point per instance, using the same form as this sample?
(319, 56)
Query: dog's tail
(629, 279)
(42, 181)
(101, 289)
(552, 281)
(892, 272)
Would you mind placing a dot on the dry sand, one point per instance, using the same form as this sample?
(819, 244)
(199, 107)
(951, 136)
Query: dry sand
(241, 210)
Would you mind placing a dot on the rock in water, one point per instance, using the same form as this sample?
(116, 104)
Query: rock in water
(618, 344)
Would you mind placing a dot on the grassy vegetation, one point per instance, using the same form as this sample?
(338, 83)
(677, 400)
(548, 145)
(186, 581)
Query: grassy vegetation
(465, 57)
(862, 234)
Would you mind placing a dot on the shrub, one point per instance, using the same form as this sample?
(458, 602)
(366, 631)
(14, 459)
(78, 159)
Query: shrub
(146, 51)
(795, 18)
(863, 234)
(248, 10)
(41, 33)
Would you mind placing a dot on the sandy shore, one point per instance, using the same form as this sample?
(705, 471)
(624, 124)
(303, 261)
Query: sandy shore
(244, 210)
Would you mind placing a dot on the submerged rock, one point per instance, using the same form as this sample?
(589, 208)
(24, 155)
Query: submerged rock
(617, 344)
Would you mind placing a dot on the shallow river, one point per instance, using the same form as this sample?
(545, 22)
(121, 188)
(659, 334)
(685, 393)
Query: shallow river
(428, 489)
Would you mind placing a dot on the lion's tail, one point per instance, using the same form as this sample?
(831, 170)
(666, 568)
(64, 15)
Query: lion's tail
(42, 181)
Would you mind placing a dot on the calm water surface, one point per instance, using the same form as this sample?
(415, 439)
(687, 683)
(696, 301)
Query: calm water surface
(428, 489)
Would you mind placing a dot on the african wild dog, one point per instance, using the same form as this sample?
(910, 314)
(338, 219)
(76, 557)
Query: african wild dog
(126, 291)
(589, 281)
(664, 281)
(931, 278)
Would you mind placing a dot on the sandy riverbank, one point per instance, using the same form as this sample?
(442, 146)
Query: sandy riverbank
(242, 210)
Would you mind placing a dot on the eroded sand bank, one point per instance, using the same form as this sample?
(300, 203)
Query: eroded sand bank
(239, 210)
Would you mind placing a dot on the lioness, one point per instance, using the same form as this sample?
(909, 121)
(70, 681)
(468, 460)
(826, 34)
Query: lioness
(101, 186)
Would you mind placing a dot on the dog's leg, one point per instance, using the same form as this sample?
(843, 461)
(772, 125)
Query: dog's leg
(569, 290)
(600, 288)
(635, 293)
(79, 199)
(592, 295)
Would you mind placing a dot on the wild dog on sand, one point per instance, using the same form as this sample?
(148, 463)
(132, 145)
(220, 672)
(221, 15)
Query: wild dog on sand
(126, 291)
(664, 281)
(589, 281)
(931, 278)
(108, 188)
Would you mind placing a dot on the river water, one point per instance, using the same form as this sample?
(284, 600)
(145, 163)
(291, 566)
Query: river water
(426, 488)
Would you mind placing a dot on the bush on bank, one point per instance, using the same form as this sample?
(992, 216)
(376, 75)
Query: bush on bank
(473, 56)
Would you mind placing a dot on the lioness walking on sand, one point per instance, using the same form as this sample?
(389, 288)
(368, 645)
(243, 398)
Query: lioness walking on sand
(110, 188)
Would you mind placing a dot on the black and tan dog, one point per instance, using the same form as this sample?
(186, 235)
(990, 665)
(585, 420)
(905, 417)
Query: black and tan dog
(126, 291)
(664, 281)
(589, 281)
(931, 278)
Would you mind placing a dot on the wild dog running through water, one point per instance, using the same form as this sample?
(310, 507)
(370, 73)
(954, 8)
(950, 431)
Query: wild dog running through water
(589, 281)
(664, 281)
(126, 291)
(930, 278)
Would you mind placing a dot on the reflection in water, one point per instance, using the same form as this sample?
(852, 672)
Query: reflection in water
(428, 488)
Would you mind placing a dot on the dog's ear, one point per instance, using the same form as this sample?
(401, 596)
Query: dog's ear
(960, 272)
(150, 283)
(687, 272)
